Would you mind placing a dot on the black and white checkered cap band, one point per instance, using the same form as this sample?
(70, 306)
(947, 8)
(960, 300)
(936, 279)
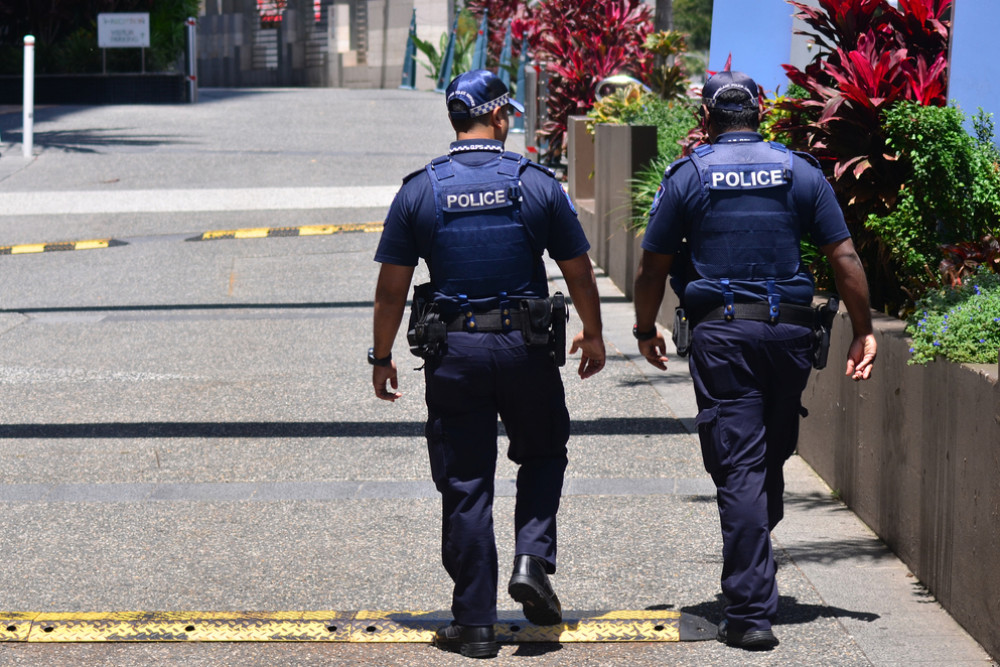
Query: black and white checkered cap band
(489, 106)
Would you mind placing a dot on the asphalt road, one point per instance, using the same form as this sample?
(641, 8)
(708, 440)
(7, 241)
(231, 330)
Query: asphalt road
(189, 424)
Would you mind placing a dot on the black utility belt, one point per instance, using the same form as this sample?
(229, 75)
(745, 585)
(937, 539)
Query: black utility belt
(492, 321)
(761, 312)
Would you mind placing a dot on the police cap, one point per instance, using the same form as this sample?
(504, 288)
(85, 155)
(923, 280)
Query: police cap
(724, 81)
(475, 93)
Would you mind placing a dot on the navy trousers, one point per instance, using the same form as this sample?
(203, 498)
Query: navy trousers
(480, 376)
(748, 378)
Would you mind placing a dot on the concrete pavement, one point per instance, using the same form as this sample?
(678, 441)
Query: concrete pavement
(188, 425)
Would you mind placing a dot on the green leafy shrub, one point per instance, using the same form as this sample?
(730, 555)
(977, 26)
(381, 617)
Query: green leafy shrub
(951, 191)
(960, 324)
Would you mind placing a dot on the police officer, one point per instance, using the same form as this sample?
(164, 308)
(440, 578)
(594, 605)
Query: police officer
(742, 205)
(481, 218)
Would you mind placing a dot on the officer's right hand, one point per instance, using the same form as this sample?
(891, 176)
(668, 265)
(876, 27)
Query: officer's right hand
(655, 350)
(381, 375)
(592, 357)
(861, 356)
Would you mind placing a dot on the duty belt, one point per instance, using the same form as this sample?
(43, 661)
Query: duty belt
(492, 321)
(761, 312)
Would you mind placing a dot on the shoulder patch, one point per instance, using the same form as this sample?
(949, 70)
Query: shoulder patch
(808, 158)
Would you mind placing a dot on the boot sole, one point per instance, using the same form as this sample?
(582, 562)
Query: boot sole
(471, 649)
(538, 607)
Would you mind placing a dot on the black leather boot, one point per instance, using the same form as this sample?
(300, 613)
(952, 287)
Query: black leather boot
(472, 641)
(529, 585)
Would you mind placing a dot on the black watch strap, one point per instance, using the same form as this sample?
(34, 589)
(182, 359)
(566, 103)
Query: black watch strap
(374, 361)
(643, 335)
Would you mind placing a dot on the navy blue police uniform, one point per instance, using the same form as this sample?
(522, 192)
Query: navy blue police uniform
(481, 219)
(743, 204)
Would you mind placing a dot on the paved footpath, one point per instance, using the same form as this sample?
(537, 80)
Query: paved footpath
(187, 422)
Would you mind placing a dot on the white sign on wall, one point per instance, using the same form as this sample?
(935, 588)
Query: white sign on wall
(123, 30)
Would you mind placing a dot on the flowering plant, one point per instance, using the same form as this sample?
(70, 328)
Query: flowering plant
(961, 324)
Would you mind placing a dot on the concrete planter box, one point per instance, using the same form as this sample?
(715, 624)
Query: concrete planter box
(620, 151)
(915, 453)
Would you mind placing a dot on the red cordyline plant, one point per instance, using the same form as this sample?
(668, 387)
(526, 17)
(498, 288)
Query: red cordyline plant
(580, 42)
(500, 13)
(870, 56)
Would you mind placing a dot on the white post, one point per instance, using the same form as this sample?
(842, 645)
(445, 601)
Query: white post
(192, 59)
(28, 122)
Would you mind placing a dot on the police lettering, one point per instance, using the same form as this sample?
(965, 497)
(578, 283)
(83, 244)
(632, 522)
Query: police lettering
(477, 199)
(763, 178)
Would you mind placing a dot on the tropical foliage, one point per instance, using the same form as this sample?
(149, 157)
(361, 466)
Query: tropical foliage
(870, 57)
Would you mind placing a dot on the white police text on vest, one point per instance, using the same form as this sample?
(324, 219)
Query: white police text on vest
(742, 180)
(477, 199)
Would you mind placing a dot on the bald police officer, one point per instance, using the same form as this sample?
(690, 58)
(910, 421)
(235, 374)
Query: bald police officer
(742, 205)
(481, 218)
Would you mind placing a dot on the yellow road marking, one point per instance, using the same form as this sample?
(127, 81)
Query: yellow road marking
(305, 230)
(336, 626)
(29, 248)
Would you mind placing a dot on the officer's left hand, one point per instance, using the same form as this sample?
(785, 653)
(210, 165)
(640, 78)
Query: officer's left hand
(381, 375)
(592, 359)
(655, 351)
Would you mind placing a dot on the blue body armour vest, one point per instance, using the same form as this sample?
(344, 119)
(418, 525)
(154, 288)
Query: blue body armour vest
(480, 247)
(741, 237)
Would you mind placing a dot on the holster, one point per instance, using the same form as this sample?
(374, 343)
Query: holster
(681, 332)
(547, 325)
(824, 325)
(426, 333)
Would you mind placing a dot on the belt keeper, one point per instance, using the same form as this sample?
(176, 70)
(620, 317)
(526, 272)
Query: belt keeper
(469, 323)
(729, 312)
(505, 318)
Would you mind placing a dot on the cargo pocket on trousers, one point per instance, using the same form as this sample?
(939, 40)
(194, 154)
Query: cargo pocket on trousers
(713, 449)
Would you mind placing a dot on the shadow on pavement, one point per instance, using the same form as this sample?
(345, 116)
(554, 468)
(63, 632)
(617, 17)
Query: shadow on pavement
(342, 429)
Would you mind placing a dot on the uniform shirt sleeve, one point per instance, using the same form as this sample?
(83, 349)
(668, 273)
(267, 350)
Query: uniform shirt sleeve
(398, 244)
(563, 236)
(665, 229)
(824, 219)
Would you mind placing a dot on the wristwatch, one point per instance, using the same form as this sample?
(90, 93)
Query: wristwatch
(375, 361)
(643, 335)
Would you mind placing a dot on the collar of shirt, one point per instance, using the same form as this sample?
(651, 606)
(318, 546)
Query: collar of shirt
(738, 138)
(475, 146)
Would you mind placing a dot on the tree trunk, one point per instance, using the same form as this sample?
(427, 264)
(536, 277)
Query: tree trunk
(664, 19)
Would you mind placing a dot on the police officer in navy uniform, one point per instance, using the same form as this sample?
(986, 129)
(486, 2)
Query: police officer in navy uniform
(481, 218)
(742, 205)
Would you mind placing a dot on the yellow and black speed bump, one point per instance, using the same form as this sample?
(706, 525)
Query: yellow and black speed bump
(335, 626)
(30, 248)
(271, 232)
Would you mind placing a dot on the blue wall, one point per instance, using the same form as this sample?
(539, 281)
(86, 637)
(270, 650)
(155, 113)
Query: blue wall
(974, 79)
(759, 35)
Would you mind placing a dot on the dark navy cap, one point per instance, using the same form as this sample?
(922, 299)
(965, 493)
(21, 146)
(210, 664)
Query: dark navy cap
(479, 92)
(723, 81)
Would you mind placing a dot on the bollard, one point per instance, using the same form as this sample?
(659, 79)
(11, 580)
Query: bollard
(28, 122)
(519, 86)
(447, 61)
(503, 71)
(410, 59)
(481, 48)
(192, 58)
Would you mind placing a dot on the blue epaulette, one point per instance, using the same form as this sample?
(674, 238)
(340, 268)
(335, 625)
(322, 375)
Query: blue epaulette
(808, 158)
(540, 167)
(410, 176)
